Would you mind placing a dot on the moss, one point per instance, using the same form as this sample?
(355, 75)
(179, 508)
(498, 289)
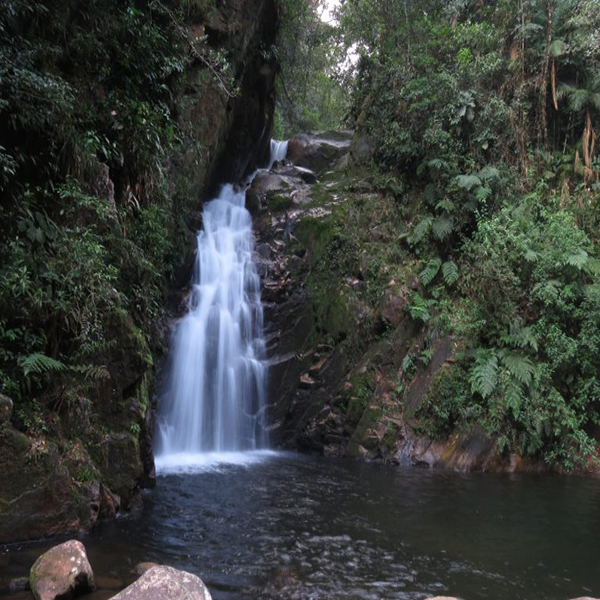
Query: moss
(278, 201)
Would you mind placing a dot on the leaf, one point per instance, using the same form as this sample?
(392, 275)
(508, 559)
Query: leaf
(558, 47)
(531, 255)
(445, 204)
(450, 272)
(519, 366)
(428, 274)
(489, 173)
(577, 259)
(484, 374)
(467, 182)
(40, 363)
(442, 227)
(420, 230)
(483, 193)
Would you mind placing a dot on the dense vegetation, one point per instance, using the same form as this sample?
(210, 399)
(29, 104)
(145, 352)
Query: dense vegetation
(481, 120)
(86, 88)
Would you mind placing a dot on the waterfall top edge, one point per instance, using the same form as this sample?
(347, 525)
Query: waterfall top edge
(189, 463)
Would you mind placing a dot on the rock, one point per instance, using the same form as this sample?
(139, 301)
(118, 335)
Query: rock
(37, 496)
(160, 583)
(442, 598)
(6, 409)
(393, 308)
(319, 151)
(19, 584)
(62, 572)
(142, 567)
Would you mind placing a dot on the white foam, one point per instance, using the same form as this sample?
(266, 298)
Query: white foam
(188, 463)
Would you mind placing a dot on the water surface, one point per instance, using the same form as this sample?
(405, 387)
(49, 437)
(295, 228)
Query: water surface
(293, 527)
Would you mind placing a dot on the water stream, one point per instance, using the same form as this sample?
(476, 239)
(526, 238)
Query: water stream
(214, 400)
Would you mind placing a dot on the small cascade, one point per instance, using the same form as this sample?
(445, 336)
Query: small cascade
(278, 152)
(215, 396)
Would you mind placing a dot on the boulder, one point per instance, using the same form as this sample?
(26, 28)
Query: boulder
(6, 409)
(318, 151)
(62, 572)
(159, 583)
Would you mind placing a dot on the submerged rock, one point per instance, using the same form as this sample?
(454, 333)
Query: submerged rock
(62, 572)
(160, 583)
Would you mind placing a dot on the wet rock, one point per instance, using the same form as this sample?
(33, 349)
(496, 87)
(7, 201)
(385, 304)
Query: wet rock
(109, 583)
(38, 496)
(19, 584)
(318, 151)
(160, 583)
(6, 409)
(62, 572)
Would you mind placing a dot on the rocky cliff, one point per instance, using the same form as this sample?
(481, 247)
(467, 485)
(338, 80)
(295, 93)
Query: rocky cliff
(78, 458)
(352, 368)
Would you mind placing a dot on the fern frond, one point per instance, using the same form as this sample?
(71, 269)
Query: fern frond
(484, 374)
(420, 230)
(467, 182)
(519, 366)
(428, 274)
(446, 205)
(577, 259)
(488, 173)
(40, 364)
(483, 193)
(450, 272)
(521, 338)
(442, 227)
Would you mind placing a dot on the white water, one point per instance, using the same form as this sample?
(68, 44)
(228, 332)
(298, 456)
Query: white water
(215, 399)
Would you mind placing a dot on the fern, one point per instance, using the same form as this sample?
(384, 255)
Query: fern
(521, 338)
(489, 173)
(483, 193)
(419, 308)
(421, 230)
(467, 182)
(445, 204)
(442, 227)
(450, 272)
(484, 374)
(40, 364)
(577, 259)
(519, 366)
(428, 274)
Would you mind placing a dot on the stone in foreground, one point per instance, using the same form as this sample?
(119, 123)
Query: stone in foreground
(160, 583)
(62, 572)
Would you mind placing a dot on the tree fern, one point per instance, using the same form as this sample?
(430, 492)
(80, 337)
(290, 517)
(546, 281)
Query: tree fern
(39, 364)
(450, 272)
(484, 373)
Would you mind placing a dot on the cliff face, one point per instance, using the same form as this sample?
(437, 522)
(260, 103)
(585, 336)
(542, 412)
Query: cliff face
(67, 461)
(351, 367)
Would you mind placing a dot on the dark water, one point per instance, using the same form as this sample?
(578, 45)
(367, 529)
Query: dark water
(297, 527)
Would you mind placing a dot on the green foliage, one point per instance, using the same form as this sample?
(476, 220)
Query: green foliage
(487, 119)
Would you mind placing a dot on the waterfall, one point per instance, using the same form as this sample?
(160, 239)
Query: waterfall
(215, 395)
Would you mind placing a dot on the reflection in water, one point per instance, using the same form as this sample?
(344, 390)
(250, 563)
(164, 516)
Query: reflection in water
(295, 527)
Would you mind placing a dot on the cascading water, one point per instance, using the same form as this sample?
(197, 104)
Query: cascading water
(216, 391)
